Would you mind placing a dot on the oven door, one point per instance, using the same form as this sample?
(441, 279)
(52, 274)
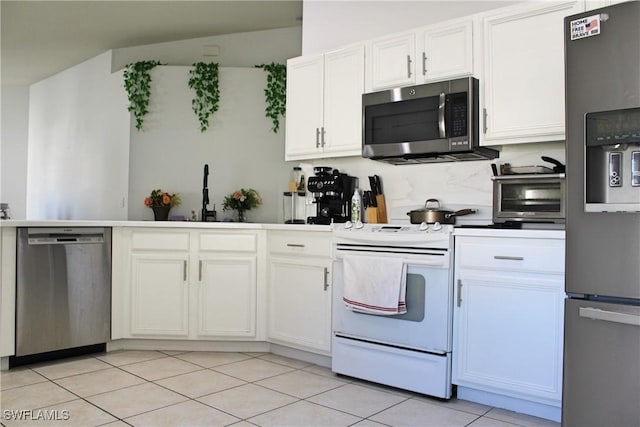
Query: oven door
(426, 326)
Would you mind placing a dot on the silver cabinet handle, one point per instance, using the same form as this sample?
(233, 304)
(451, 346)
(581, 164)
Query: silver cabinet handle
(326, 278)
(322, 137)
(409, 66)
(484, 120)
(317, 137)
(610, 316)
(200, 271)
(424, 63)
(459, 299)
(441, 127)
(509, 258)
(295, 245)
(184, 270)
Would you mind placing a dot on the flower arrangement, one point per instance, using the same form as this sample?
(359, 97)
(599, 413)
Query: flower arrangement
(159, 198)
(242, 200)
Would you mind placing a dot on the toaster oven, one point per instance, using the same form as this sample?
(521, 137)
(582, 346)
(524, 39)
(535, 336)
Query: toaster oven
(529, 198)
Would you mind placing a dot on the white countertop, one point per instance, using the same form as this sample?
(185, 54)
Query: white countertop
(481, 232)
(164, 224)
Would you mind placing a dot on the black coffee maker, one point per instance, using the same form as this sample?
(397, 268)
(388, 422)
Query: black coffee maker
(332, 191)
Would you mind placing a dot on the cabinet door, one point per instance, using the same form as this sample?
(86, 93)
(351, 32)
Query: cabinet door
(159, 295)
(300, 303)
(524, 74)
(343, 88)
(226, 297)
(304, 107)
(392, 61)
(509, 330)
(8, 291)
(446, 51)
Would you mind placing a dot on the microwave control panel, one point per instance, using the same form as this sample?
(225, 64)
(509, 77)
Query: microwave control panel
(457, 111)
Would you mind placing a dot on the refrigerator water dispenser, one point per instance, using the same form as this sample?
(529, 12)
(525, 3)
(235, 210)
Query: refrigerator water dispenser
(612, 161)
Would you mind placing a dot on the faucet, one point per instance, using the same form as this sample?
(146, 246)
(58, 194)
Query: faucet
(206, 215)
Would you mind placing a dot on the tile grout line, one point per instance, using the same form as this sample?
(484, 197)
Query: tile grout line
(292, 369)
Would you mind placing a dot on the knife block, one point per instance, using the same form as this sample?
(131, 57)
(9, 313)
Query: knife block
(381, 209)
(371, 215)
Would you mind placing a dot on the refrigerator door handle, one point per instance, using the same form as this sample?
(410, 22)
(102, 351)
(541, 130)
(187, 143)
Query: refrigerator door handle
(610, 316)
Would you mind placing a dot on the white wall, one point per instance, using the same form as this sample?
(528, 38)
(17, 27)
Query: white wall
(78, 155)
(239, 146)
(235, 50)
(330, 24)
(13, 150)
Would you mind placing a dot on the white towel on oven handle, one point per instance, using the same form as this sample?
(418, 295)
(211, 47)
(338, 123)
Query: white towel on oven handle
(375, 285)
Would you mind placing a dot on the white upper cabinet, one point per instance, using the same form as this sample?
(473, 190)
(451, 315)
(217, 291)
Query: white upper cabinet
(344, 85)
(324, 104)
(305, 99)
(434, 52)
(446, 51)
(595, 4)
(523, 74)
(391, 61)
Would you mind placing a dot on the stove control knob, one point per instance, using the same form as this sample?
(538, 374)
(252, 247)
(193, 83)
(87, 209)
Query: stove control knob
(359, 224)
(423, 226)
(348, 225)
(437, 226)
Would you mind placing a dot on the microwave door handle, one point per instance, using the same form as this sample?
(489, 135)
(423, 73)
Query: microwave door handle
(441, 105)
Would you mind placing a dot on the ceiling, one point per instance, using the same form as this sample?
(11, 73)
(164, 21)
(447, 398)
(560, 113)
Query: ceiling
(41, 38)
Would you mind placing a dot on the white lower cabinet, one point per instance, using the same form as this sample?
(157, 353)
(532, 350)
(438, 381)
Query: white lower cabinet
(226, 296)
(186, 284)
(8, 241)
(159, 294)
(508, 322)
(300, 290)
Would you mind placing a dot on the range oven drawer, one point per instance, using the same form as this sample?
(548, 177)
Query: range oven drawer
(412, 370)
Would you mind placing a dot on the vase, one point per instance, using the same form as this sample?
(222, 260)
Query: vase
(242, 215)
(161, 213)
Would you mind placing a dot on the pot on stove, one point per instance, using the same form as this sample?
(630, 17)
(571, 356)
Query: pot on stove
(432, 213)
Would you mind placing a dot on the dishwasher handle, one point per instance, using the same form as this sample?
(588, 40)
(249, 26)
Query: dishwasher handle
(65, 236)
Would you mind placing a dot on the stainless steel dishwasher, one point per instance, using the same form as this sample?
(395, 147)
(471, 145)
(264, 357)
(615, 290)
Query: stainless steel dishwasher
(63, 290)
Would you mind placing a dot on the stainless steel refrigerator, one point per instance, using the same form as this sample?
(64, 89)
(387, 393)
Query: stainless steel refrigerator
(601, 384)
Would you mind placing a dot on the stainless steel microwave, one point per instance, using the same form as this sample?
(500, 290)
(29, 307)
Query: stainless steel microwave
(433, 122)
(529, 198)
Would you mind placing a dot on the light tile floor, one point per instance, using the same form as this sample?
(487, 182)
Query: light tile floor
(155, 388)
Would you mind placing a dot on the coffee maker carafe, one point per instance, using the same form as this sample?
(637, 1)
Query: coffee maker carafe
(332, 191)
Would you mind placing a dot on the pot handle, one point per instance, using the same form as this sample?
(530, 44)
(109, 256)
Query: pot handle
(426, 204)
(464, 212)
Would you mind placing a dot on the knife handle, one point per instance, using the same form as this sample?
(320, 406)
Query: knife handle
(382, 209)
